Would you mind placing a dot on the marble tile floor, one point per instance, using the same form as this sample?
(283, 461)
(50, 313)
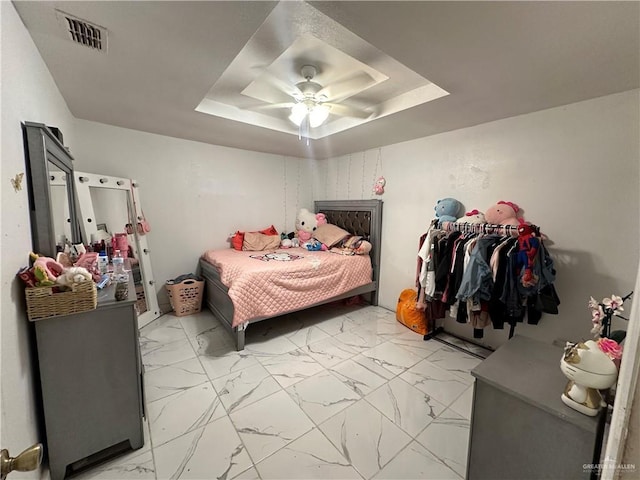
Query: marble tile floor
(336, 392)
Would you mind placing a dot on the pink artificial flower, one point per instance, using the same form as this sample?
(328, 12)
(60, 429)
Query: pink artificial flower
(610, 348)
(597, 328)
(597, 314)
(593, 303)
(614, 303)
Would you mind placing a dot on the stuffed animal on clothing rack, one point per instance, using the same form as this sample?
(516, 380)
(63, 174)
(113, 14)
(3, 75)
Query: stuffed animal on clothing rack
(528, 245)
(474, 216)
(447, 210)
(503, 213)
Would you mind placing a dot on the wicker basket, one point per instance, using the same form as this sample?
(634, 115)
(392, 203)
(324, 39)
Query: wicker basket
(42, 302)
(186, 296)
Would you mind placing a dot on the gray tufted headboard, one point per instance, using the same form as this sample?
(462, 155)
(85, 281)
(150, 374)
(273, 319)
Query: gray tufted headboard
(359, 217)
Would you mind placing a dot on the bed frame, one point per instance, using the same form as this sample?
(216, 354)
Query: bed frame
(359, 217)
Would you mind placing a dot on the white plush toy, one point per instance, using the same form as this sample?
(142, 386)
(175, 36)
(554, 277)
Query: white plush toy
(474, 216)
(306, 224)
(73, 275)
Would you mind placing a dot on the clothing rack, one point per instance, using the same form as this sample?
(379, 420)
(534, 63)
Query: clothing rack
(486, 228)
(479, 228)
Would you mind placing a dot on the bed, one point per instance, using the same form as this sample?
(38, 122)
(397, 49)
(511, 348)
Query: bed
(359, 217)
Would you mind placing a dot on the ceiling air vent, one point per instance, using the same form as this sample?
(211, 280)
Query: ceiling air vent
(82, 32)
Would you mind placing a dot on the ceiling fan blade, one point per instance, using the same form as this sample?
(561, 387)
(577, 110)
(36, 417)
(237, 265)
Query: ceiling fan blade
(283, 85)
(349, 86)
(346, 111)
(271, 106)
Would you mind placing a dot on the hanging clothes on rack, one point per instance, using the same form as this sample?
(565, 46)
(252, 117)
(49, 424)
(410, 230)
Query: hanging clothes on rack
(485, 275)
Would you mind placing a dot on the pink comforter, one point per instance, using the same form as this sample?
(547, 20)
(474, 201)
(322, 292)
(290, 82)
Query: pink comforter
(266, 287)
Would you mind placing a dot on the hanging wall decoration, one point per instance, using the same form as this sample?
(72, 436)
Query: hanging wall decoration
(378, 188)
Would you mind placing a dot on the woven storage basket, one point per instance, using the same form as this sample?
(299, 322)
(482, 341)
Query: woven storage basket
(186, 296)
(42, 302)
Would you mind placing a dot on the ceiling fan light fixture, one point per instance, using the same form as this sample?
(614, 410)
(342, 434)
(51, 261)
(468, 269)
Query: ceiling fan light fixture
(317, 115)
(298, 112)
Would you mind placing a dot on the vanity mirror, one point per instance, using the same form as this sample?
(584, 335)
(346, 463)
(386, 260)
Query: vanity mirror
(60, 207)
(51, 205)
(106, 205)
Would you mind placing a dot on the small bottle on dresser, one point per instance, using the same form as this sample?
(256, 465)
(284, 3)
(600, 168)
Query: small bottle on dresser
(120, 276)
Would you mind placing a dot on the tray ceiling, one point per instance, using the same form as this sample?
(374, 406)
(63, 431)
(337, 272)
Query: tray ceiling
(437, 66)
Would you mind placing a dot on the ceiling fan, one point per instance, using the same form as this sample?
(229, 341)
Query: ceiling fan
(312, 103)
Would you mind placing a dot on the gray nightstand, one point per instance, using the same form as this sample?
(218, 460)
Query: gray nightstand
(520, 429)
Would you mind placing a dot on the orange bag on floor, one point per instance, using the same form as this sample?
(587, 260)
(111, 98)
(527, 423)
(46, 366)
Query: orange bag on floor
(407, 314)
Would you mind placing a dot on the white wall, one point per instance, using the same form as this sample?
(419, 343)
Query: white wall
(28, 94)
(194, 194)
(573, 170)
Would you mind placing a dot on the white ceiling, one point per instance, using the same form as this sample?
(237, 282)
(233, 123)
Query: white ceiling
(495, 59)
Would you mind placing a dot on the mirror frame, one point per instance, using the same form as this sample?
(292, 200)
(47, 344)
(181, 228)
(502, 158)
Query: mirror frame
(83, 183)
(41, 148)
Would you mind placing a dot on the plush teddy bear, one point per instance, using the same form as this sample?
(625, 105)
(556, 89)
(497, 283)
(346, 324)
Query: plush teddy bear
(447, 210)
(503, 213)
(474, 216)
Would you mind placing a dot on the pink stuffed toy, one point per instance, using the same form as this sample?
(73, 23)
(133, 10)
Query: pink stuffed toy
(47, 265)
(378, 188)
(503, 213)
(321, 218)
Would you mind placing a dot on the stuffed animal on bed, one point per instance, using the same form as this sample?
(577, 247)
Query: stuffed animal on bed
(306, 224)
(321, 219)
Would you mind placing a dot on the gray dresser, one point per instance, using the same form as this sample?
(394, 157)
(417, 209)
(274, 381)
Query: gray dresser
(92, 386)
(520, 429)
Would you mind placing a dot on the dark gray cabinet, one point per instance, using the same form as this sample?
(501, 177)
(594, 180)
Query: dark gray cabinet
(520, 429)
(92, 386)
